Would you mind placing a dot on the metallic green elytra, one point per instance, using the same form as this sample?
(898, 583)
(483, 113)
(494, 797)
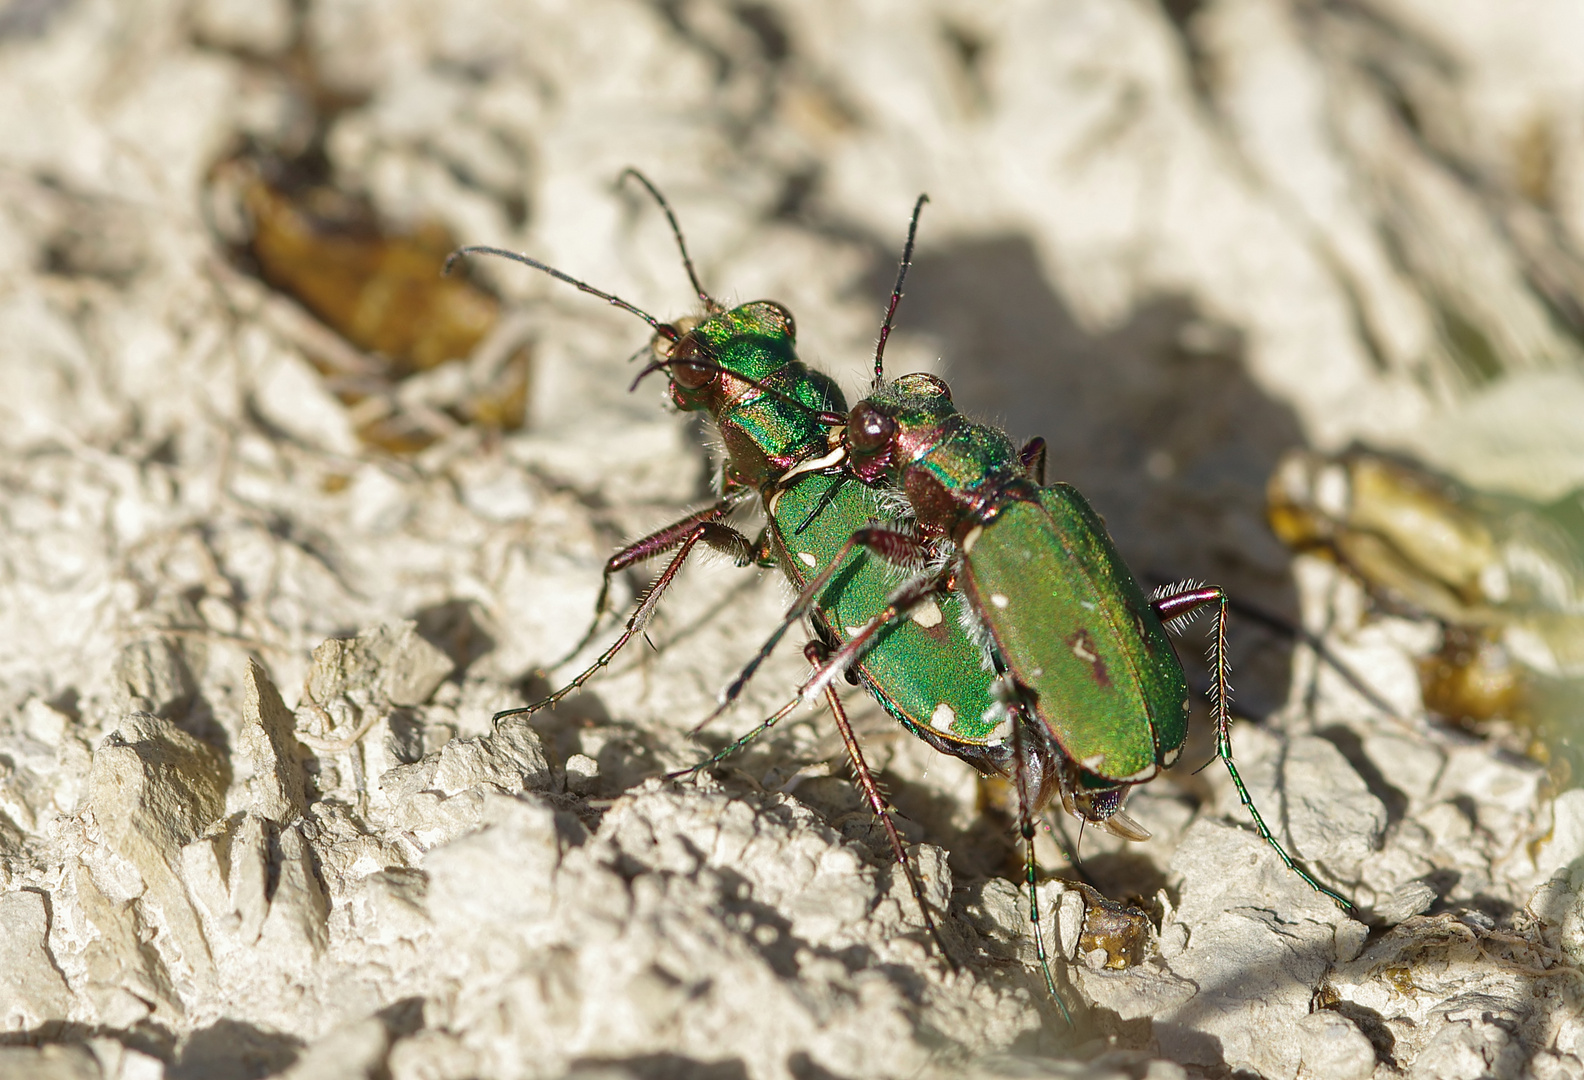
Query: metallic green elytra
(924, 668)
(1069, 619)
(1090, 698)
(1084, 650)
(1089, 669)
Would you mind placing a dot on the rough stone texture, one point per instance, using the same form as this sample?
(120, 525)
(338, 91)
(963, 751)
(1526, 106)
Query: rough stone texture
(30, 984)
(254, 818)
(270, 744)
(49, 1063)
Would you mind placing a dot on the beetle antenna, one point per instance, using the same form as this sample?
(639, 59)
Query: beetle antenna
(896, 292)
(665, 330)
(676, 230)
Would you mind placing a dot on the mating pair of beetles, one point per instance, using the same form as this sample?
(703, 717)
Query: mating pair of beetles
(988, 612)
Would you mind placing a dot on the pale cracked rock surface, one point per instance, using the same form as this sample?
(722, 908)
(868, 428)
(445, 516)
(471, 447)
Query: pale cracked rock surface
(254, 819)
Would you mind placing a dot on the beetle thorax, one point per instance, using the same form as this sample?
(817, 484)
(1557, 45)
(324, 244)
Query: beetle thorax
(951, 470)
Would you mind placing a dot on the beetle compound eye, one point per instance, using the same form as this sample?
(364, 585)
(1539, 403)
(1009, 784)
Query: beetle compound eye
(776, 317)
(869, 430)
(924, 384)
(691, 376)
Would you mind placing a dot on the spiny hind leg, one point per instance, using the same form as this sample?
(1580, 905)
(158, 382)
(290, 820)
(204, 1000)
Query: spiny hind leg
(1031, 789)
(1176, 606)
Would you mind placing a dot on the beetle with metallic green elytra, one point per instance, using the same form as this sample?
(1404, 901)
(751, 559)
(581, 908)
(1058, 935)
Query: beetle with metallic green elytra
(1088, 674)
(780, 423)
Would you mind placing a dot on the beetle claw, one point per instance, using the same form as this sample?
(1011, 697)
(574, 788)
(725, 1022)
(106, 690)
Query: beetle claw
(1124, 825)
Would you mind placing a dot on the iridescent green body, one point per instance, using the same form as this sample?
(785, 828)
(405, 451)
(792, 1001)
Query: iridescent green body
(925, 670)
(766, 429)
(1075, 628)
(1088, 654)
(1084, 650)
(779, 426)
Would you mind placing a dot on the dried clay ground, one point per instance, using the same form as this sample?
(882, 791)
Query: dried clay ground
(254, 819)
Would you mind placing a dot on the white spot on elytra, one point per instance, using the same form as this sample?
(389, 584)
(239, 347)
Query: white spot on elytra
(943, 717)
(972, 538)
(807, 560)
(999, 599)
(1094, 762)
(1001, 733)
(928, 615)
(853, 631)
(1082, 651)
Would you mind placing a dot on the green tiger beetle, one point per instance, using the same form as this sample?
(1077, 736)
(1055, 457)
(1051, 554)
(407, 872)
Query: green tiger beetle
(1085, 666)
(780, 424)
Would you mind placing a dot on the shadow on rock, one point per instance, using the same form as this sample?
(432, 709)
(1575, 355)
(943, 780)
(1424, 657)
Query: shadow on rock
(660, 1067)
(454, 627)
(233, 1050)
(1155, 420)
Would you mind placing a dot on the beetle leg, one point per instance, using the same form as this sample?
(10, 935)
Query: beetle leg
(815, 652)
(889, 544)
(1178, 604)
(1029, 791)
(642, 550)
(1185, 603)
(716, 535)
(731, 748)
